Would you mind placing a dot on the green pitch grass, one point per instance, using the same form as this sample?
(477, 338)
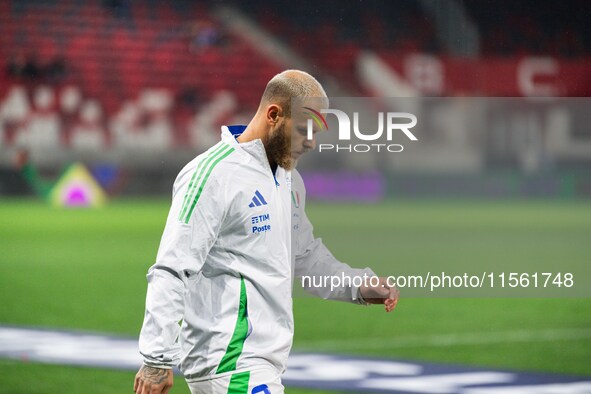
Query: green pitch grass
(85, 269)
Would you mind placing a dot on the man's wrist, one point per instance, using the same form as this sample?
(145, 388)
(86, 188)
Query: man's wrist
(159, 366)
(359, 297)
(358, 294)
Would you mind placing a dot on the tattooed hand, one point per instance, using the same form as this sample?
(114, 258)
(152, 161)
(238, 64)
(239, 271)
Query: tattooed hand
(150, 380)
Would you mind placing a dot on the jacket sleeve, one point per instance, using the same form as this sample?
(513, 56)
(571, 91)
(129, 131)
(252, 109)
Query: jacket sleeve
(314, 260)
(185, 244)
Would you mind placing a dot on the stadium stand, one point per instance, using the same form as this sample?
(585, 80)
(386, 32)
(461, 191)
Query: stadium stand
(332, 36)
(510, 28)
(113, 57)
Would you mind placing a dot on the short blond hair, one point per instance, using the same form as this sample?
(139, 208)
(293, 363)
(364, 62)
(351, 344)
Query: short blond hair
(285, 86)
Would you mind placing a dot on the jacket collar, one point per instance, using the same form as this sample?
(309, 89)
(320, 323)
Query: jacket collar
(254, 148)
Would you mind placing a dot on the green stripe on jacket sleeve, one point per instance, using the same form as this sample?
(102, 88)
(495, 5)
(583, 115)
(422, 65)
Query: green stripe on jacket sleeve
(195, 178)
(197, 188)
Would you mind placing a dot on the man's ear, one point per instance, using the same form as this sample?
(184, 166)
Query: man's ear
(274, 112)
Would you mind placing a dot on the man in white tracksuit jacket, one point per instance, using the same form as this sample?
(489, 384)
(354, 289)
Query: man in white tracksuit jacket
(225, 265)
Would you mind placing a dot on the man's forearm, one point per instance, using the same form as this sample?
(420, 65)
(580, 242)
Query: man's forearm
(164, 309)
(319, 265)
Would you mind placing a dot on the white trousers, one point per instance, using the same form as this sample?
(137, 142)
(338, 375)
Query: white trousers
(261, 381)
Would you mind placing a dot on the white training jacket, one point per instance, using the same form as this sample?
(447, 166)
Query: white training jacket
(224, 267)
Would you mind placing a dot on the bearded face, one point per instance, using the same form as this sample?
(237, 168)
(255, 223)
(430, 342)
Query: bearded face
(279, 147)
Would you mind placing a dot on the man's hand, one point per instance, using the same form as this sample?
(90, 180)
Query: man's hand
(150, 380)
(382, 294)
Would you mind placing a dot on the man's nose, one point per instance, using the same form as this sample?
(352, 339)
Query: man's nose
(310, 144)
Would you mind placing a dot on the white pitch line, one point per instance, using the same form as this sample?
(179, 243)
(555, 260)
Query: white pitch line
(449, 340)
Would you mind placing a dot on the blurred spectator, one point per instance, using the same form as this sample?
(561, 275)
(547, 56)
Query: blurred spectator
(30, 173)
(23, 67)
(28, 68)
(204, 34)
(119, 8)
(55, 70)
